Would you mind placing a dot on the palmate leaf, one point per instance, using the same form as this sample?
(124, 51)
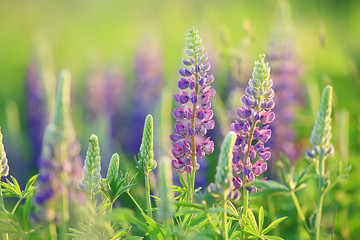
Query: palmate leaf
(255, 229)
(273, 225)
(12, 188)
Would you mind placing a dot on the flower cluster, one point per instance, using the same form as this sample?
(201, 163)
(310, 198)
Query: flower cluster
(35, 107)
(193, 115)
(286, 71)
(321, 132)
(256, 109)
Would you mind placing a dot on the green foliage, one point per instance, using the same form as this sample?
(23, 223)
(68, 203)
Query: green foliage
(91, 170)
(12, 188)
(146, 161)
(116, 182)
(255, 229)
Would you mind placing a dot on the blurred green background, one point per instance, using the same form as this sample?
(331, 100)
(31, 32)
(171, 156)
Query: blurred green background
(78, 35)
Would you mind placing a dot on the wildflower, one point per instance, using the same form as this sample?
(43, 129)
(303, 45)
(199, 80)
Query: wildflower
(321, 132)
(91, 171)
(36, 107)
(252, 129)
(193, 114)
(286, 72)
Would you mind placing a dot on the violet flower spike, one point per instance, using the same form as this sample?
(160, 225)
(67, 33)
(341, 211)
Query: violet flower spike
(193, 114)
(249, 153)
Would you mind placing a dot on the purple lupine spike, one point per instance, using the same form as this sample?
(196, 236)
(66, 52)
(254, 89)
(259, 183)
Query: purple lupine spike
(253, 127)
(106, 95)
(286, 72)
(194, 98)
(35, 107)
(148, 85)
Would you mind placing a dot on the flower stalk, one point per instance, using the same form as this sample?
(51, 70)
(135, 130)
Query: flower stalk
(146, 161)
(193, 115)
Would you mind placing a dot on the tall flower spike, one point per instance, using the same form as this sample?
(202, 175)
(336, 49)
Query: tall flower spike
(166, 208)
(48, 182)
(193, 114)
(146, 152)
(321, 132)
(68, 146)
(4, 166)
(224, 176)
(250, 154)
(286, 71)
(91, 170)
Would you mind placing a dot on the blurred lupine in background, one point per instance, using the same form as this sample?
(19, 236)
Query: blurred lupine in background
(37, 116)
(193, 115)
(60, 162)
(286, 73)
(106, 100)
(147, 89)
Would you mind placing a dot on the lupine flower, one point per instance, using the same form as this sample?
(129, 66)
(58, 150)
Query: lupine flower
(60, 162)
(36, 107)
(148, 85)
(106, 94)
(146, 161)
(286, 73)
(193, 114)
(49, 184)
(91, 170)
(253, 127)
(224, 177)
(321, 132)
(4, 166)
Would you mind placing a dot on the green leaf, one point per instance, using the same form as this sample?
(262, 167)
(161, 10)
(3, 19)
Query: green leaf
(273, 225)
(7, 227)
(30, 183)
(252, 218)
(261, 219)
(270, 186)
(271, 237)
(232, 209)
(121, 233)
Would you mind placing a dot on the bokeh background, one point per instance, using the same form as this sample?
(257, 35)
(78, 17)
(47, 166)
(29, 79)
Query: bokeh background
(124, 58)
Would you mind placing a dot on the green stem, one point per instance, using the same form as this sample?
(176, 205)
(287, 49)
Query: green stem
(64, 214)
(16, 206)
(224, 219)
(148, 199)
(1, 195)
(193, 146)
(52, 231)
(5, 235)
(300, 212)
(318, 215)
(136, 203)
(320, 169)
